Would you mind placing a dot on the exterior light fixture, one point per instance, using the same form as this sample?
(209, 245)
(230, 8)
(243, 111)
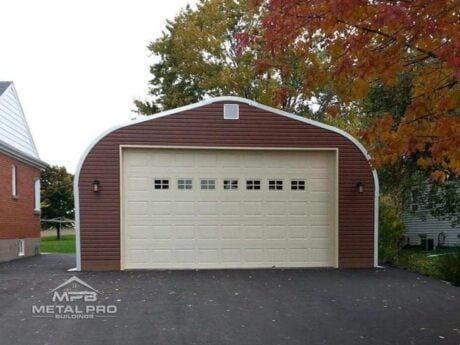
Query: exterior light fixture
(360, 187)
(96, 185)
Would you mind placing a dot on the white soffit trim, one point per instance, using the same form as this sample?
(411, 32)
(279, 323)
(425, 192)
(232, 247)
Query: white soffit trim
(210, 101)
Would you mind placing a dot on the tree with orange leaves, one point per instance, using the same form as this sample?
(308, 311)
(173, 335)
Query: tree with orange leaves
(364, 43)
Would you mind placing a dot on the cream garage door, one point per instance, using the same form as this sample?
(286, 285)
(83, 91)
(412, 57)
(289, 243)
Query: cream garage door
(217, 208)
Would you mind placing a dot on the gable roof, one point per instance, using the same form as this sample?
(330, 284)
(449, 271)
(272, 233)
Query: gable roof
(15, 136)
(4, 85)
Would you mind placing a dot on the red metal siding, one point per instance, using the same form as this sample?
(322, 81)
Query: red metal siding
(17, 218)
(205, 126)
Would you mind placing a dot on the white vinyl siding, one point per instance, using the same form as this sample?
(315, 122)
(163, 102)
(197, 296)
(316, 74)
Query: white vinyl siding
(421, 223)
(14, 130)
(228, 229)
(418, 222)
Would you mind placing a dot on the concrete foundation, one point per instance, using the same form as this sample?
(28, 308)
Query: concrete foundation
(9, 248)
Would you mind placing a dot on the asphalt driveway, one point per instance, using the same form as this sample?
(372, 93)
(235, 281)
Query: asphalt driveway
(386, 306)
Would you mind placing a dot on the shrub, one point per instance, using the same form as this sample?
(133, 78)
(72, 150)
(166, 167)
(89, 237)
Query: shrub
(391, 231)
(449, 267)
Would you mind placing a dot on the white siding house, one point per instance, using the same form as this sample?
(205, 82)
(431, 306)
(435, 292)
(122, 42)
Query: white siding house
(14, 131)
(420, 223)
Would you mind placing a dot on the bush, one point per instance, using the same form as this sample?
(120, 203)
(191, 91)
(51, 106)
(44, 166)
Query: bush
(449, 267)
(391, 231)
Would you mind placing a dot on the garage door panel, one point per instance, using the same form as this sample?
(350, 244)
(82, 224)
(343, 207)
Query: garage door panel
(275, 232)
(231, 255)
(161, 159)
(184, 232)
(253, 232)
(207, 208)
(230, 208)
(162, 232)
(253, 255)
(135, 208)
(252, 207)
(209, 256)
(207, 232)
(231, 232)
(161, 256)
(184, 208)
(138, 184)
(197, 228)
(184, 160)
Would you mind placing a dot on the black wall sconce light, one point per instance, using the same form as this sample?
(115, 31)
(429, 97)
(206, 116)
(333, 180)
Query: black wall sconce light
(360, 187)
(96, 185)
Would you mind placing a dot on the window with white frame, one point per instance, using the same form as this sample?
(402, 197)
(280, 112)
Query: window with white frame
(21, 247)
(230, 184)
(208, 184)
(252, 184)
(37, 200)
(298, 185)
(14, 181)
(161, 184)
(275, 184)
(184, 184)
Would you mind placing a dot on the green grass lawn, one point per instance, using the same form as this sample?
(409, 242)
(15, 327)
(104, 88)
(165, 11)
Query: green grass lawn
(49, 244)
(422, 261)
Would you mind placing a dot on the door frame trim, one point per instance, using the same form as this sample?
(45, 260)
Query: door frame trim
(236, 148)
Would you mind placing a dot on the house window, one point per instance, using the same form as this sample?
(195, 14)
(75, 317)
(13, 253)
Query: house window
(183, 184)
(275, 184)
(230, 184)
(14, 181)
(161, 184)
(37, 195)
(208, 184)
(21, 250)
(298, 185)
(253, 184)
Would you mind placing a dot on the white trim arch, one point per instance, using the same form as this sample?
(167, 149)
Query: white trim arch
(203, 103)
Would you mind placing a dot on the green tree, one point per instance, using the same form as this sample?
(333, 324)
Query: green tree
(200, 54)
(56, 195)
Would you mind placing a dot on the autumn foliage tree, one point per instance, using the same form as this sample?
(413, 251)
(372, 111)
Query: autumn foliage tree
(200, 55)
(366, 43)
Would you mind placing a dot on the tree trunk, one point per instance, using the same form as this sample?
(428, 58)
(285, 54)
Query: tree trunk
(58, 231)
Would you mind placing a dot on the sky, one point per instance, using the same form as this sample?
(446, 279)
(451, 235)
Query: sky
(78, 66)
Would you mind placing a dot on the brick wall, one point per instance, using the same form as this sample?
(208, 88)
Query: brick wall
(17, 218)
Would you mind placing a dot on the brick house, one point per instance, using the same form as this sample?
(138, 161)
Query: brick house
(20, 168)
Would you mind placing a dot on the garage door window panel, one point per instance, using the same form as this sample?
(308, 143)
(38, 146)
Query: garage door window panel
(208, 184)
(275, 184)
(230, 184)
(184, 184)
(161, 184)
(298, 185)
(253, 185)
